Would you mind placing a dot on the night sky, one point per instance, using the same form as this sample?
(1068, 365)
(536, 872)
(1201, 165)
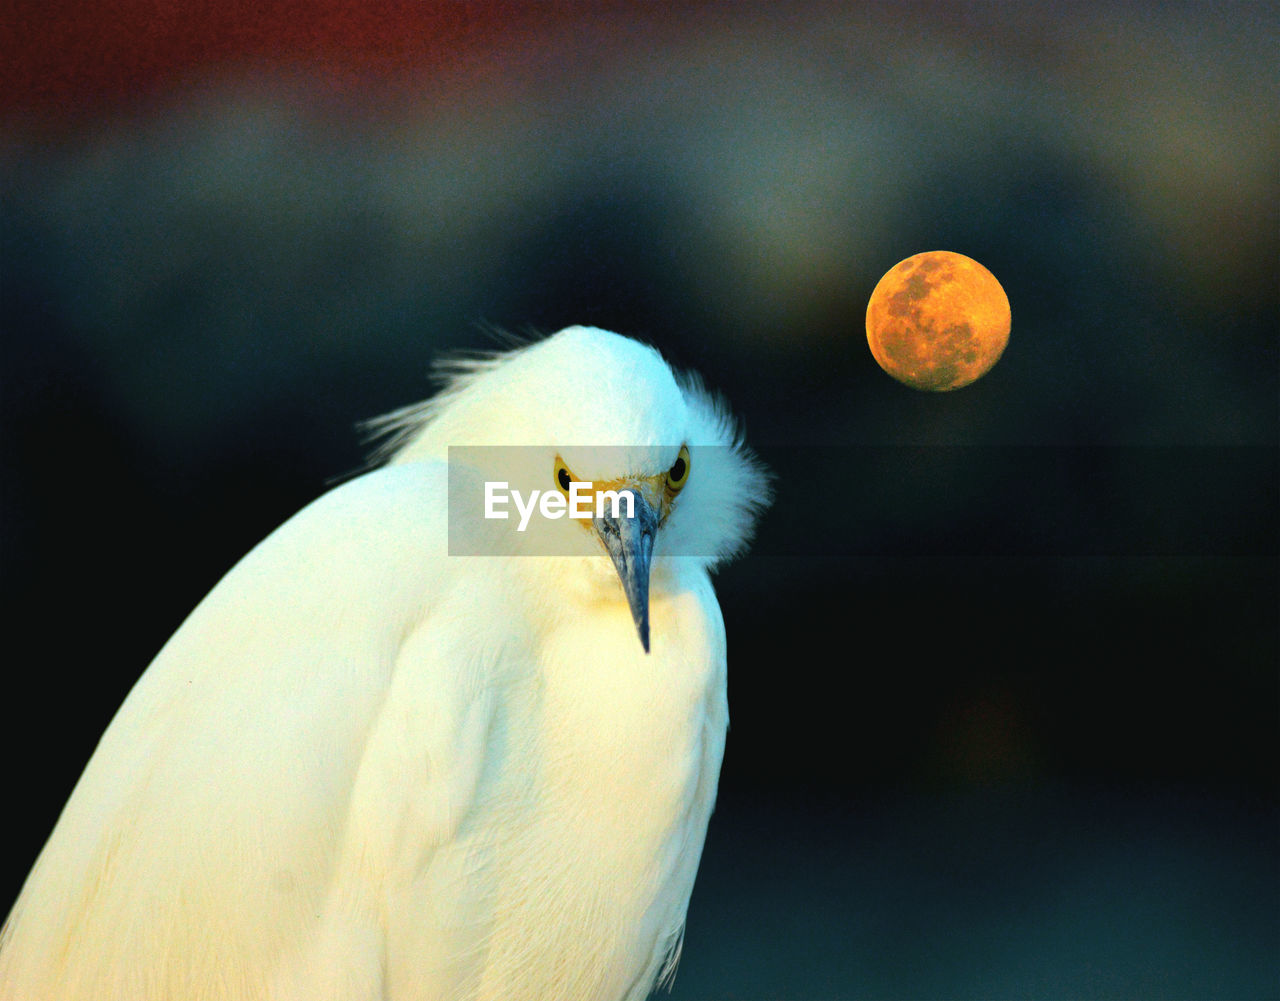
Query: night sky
(1003, 661)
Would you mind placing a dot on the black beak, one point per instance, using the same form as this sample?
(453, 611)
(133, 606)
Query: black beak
(630, 545)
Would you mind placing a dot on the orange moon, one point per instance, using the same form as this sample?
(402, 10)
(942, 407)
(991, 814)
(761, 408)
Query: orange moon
(938, 321)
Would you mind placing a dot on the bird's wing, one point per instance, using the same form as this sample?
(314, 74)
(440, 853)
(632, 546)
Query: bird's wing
(206, 834)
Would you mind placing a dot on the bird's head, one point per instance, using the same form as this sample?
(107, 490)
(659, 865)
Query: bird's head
(599, 425)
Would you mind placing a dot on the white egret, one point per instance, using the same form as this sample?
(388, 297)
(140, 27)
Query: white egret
(364, 768)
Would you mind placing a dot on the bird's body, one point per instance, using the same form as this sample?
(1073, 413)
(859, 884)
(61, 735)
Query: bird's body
(365, 769)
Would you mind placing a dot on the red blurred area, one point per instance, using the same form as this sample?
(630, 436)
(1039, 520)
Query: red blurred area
(76, 57)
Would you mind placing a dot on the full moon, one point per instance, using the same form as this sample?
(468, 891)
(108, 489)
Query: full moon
(938, 321)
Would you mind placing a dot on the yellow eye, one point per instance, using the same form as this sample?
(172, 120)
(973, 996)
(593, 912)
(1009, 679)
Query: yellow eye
(563, 476)
(678, 474)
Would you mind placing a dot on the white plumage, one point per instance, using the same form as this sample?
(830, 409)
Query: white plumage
(366, 769)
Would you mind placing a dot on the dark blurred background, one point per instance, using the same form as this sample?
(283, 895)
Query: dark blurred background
(1005, 712)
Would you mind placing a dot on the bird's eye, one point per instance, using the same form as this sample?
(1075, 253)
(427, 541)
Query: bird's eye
(563, 476)
(678, 474)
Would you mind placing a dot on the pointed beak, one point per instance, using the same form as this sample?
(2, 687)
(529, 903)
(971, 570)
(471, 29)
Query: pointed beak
(629, 541)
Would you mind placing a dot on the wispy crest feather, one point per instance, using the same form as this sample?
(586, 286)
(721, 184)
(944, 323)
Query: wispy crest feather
(452, 374)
